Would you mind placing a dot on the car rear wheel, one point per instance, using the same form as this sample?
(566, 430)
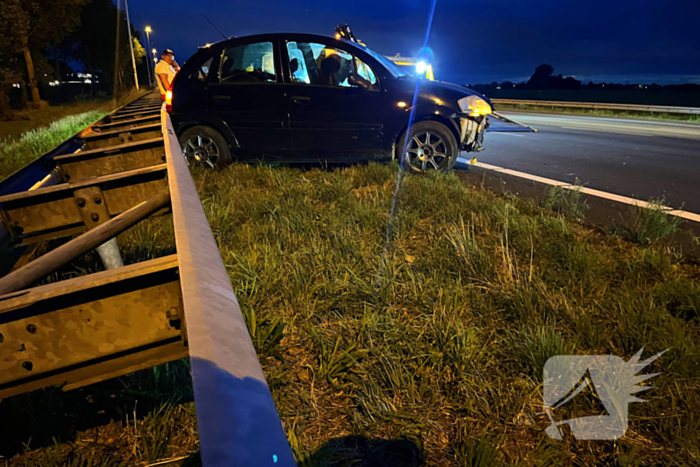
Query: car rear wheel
(430, 146)
(206, 147)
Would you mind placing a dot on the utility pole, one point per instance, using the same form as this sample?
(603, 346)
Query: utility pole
(116, 59)
(148, 40)
(131, 44)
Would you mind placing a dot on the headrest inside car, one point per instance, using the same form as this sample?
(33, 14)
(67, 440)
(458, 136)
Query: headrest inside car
(330, 65)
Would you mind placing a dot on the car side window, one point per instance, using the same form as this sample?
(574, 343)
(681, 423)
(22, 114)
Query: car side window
(321, 65)
(297, 64)
(365, 71)
(251, 63)
(203, 73)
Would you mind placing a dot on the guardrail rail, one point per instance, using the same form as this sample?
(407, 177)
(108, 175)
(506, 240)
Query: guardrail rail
(128, 167)
(603, 106)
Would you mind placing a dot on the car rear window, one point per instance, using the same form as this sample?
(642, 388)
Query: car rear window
(250, 63)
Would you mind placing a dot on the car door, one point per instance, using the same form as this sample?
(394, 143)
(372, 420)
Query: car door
(247, 93)
(334, 113)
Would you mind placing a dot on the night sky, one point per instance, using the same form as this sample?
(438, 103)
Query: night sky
(474, 41)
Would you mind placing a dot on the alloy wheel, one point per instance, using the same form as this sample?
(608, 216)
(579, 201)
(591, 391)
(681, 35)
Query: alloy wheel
(201, 150)
(426, 151)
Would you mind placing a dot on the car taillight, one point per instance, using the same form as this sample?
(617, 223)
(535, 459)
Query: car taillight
(169, 96)
(169, 101)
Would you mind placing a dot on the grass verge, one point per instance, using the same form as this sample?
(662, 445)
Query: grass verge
(16, 154)
(36, 132)
(427, 349)
(599, 112)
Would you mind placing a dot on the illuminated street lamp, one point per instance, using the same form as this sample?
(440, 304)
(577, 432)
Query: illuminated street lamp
(148, 39)
(155, 62)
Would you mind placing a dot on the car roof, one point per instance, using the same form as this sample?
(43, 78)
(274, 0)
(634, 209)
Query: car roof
(285, 35)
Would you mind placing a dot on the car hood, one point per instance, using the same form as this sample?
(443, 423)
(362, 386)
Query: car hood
(446, 92)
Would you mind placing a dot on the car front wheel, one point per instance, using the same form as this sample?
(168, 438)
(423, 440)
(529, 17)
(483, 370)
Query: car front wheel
(429, 146)
(206, 147)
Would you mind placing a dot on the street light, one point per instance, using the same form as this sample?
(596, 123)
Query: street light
(131, 43)
(155, 63)
(148, 38)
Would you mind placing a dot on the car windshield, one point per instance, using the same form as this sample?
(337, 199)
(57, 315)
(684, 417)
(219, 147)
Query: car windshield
(388, 64)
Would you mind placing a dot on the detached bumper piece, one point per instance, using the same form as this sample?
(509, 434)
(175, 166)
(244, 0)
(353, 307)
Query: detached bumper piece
(472, 131)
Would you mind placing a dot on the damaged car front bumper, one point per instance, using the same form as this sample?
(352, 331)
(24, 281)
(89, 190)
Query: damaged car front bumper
(471, 130)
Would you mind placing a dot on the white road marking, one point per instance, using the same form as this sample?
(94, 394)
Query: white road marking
(589, 191)
(686, 215)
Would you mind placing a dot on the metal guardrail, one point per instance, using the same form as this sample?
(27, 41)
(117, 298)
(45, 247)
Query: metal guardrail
(95, 327)
(237, 419)
(603, 106)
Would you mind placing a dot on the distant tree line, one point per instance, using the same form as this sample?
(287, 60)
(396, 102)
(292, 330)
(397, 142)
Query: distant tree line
(39, 39)
(544, 79)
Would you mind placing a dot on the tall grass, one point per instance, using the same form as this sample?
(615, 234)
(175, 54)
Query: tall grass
(651, 224)
(567, 201)
(430, 351)
(16, 154)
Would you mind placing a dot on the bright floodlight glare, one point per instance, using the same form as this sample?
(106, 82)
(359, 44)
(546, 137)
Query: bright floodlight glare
(421, 67)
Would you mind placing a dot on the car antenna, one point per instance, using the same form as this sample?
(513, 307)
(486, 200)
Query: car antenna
(217, 29)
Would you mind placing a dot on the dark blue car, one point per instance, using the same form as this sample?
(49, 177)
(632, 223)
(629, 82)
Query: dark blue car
(310, 98)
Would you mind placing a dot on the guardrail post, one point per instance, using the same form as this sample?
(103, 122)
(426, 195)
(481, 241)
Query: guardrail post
(44, 265)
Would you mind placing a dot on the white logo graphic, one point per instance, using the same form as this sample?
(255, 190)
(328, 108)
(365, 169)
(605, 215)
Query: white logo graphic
(610, 377)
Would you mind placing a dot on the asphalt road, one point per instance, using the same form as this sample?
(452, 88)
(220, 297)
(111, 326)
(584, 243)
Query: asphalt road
(641, 159)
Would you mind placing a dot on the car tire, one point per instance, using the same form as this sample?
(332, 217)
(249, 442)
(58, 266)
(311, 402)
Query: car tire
(204, 146)
(431, 146)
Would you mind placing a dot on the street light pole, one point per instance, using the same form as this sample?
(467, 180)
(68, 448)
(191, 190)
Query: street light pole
(131, 44)
(148, 39)
(155, 65)
(116, 59)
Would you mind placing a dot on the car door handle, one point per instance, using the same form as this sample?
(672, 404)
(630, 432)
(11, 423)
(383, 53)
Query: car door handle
(222, 97)
(301, 98)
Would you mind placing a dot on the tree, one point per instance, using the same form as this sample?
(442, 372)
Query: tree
(14, 24)
(540, 79)
(139, 51)
(10, 74)
(96, 42)
(30, 26)
(543, 79)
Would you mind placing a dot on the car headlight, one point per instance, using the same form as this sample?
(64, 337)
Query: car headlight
(474, 106)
